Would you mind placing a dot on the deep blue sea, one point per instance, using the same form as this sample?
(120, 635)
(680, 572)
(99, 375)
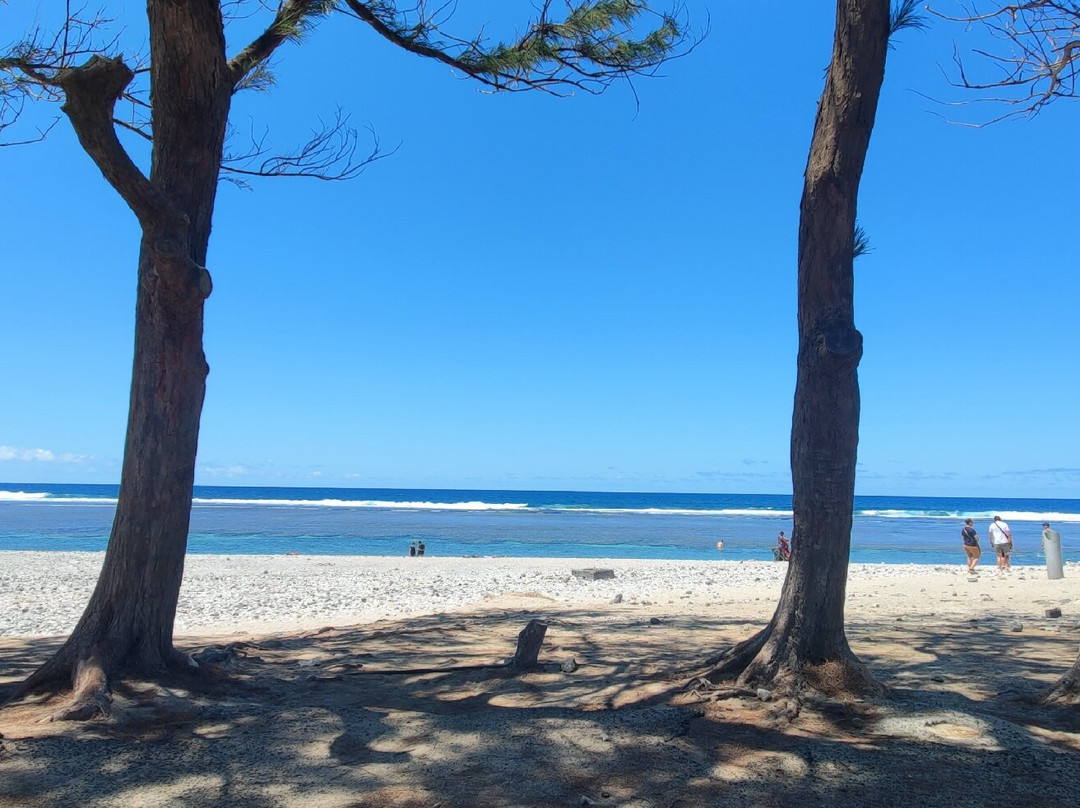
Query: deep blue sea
(370, 521)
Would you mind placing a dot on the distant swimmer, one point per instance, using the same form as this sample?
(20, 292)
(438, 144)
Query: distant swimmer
(719, 545)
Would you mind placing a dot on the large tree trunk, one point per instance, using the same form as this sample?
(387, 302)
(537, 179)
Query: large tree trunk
(805, 641)
(128, 624)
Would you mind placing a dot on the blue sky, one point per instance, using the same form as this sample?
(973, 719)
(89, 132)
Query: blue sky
(593, 293)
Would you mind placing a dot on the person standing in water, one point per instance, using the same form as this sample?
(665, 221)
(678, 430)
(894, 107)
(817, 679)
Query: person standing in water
(783, 548)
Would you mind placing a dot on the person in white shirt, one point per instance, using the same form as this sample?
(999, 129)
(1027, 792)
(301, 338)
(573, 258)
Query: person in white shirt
(1001, 541)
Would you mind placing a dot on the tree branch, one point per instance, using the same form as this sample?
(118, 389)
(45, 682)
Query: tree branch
(30, 66)
(1040, 60)
(290, 22)
(589, 50)
(330, 154)
(92, 92)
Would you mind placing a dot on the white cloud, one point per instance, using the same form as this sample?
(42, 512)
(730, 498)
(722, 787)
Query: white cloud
(41, 455)
(224, 471)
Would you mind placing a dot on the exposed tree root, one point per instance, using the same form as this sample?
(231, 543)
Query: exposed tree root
(732, 662)
(91, 695)
(761, 662)
(91, 676)
(1067, 690)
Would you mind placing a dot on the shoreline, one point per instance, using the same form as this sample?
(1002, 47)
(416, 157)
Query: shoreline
(43, 593)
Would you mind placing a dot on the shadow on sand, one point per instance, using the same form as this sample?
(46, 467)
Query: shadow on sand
(419, 713)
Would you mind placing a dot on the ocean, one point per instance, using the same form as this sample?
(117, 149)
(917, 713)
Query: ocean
(561, 524)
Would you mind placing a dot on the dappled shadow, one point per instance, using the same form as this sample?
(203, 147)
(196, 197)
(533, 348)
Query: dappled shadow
(421, 713)
(22, 656)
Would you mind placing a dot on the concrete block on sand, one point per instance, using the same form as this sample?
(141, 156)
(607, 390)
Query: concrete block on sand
(593, 573)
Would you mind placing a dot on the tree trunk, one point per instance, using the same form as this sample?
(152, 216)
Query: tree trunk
(805, 642)
(127, 626)
(1067, 689)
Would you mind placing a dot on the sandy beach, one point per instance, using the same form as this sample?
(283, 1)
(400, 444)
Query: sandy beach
(44, 593)
(366, 681)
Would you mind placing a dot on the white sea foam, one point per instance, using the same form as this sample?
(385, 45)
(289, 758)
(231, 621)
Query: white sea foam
(1029, 516)
(676, 511)
(896, 513)
(52, 499)
(1017, 516)
(352, 503)
(477, 505)
(21, 496)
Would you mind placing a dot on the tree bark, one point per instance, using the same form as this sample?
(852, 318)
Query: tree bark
(805, 642)
(127, 626)
(1067, 689)
(529, 641)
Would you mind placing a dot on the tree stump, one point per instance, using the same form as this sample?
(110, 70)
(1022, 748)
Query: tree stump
(529, 641)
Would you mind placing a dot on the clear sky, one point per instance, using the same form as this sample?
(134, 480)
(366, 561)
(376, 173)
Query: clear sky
(590, 293)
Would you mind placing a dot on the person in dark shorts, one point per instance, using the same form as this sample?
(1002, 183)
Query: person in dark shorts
(412, 549)
(971, 545)
(419, 548)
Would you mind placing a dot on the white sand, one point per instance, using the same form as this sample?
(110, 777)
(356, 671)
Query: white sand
(44, 593)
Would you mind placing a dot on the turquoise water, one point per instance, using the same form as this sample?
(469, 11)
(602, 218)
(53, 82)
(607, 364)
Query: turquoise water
(334, 521)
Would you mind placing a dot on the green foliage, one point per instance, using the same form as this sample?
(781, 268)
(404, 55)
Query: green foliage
(259, 78)
(861, 244)
(297, 18)
(906, 15)
(598, 33)
(595, 43)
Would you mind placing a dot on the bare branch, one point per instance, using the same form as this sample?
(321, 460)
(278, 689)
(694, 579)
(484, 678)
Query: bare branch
(1038, 61)
(331, 154)
(29, 67)
(131, 127)
(41, 134)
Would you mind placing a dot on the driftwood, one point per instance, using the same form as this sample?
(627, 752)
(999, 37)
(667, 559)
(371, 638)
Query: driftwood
(528, 645)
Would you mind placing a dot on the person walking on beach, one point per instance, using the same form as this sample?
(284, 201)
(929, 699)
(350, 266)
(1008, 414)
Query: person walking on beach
(412, 549)
(971, 545)
(420, 548)
(1001, 539)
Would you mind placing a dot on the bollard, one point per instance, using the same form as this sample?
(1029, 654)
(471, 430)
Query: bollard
(1052, 549)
